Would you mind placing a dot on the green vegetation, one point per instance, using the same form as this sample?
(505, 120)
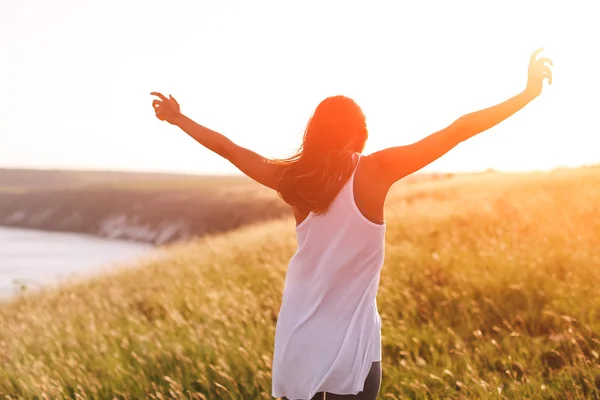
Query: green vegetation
(490, 290)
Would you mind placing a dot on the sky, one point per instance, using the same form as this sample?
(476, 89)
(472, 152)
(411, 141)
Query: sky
(76, 77)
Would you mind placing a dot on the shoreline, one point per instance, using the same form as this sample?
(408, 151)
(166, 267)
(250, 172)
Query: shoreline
(34, 259)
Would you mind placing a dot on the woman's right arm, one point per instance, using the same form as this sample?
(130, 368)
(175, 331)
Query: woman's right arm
(255, 166)
(397, 162)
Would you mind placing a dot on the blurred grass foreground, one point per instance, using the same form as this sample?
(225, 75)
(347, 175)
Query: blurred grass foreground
(490, 290)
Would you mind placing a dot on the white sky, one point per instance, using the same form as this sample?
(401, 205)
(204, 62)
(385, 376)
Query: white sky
(75, 78)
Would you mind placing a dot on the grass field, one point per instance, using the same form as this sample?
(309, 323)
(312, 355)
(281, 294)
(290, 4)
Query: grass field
(489, 290)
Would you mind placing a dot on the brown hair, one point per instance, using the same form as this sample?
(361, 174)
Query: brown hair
(313, 176)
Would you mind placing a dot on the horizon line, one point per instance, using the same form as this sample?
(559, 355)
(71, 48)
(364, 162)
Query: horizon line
(239, 173)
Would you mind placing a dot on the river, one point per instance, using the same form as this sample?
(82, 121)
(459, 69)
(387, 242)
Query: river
(33, 258)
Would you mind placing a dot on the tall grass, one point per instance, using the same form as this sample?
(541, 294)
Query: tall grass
(489, 290)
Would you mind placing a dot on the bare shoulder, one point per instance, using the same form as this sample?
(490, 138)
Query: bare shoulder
(375, 171)
(394, 163)
(371, 164)
(370, 190)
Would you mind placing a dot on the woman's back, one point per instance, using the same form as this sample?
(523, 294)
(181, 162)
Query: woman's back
(328, 330)
(370, 189)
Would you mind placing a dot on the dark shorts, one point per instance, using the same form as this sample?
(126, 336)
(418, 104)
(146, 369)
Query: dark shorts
(370, 390)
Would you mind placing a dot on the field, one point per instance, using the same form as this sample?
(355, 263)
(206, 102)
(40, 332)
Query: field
(489, 290)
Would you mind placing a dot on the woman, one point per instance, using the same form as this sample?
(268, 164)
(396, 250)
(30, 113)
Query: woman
(327, 340)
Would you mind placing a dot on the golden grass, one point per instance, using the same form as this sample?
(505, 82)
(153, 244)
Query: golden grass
(490, 290)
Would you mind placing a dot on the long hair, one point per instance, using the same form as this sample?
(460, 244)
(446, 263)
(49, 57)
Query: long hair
(313, 176)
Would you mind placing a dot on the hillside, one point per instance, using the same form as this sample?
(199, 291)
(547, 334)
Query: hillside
(53, 179)
(148, 207)
(490, 290)
(152, 208)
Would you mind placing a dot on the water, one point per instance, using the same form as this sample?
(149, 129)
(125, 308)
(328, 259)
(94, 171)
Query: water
(34, 258)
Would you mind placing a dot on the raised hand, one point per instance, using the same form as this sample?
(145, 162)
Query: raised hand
(538, 71)
(166, 109)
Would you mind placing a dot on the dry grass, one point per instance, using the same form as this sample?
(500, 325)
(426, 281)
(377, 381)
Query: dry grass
(490, 290)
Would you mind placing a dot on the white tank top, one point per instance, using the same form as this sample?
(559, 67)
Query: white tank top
(328, 332)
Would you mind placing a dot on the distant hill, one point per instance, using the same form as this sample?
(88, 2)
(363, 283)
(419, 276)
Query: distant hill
(149, 207)
(43, 179)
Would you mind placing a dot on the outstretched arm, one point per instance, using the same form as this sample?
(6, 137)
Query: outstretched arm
(398, 162)
(250, 163)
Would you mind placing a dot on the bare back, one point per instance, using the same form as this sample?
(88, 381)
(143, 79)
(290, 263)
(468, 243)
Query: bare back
(369, 192)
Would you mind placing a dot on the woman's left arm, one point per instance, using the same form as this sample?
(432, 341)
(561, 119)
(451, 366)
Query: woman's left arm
(257, 167)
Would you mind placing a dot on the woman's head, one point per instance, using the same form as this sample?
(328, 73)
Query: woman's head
(338, 124)
(315, 174)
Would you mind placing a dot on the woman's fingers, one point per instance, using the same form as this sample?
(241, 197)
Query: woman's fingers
(547, 74)
(548, 77)
(160, 95)
(535, 54)
(165, 106)
(544, 60)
